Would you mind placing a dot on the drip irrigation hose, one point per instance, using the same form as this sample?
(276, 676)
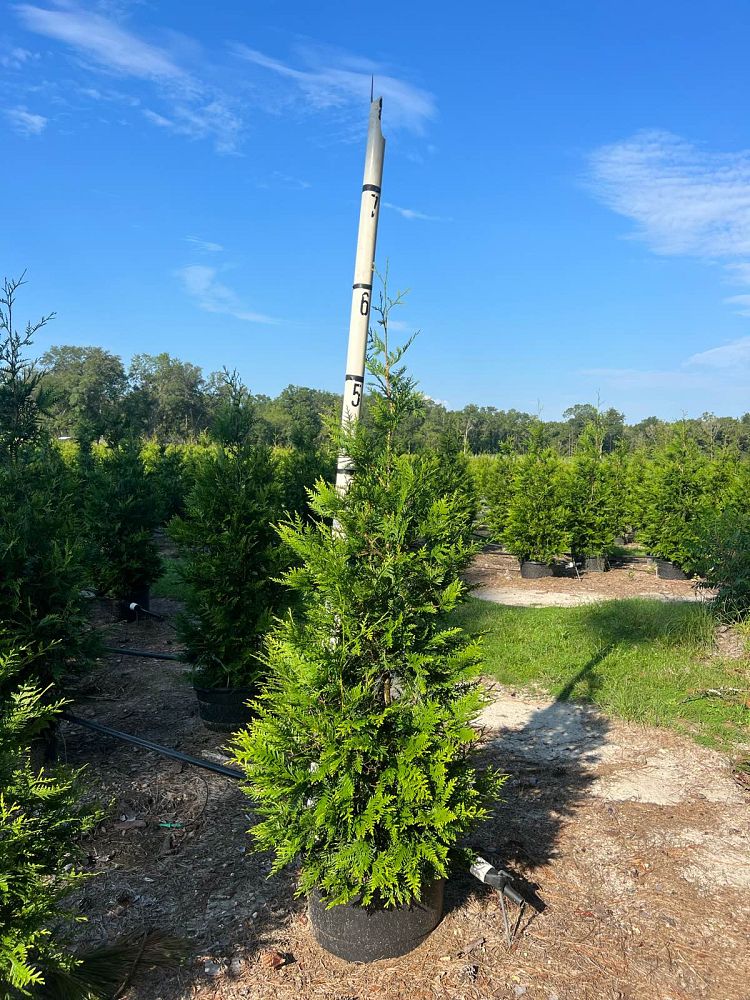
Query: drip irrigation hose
(143, 652)
(139, 741)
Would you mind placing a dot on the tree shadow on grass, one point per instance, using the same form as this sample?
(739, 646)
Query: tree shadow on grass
(550, 754)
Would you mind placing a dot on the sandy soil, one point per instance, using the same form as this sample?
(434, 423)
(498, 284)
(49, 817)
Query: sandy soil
(496, 577)
(636, 838)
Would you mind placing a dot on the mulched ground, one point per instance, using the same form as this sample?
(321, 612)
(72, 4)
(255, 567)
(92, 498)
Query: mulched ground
(496, 576)
(646, 891)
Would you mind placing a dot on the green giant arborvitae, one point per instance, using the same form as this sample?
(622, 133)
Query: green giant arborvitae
(359, 761)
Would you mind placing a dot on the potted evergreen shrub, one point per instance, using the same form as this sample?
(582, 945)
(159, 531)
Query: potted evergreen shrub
(230, 558)
(359, 759)
(678, 498)
(592, 503)
(536, 517)
(122, 512)
(499, 487)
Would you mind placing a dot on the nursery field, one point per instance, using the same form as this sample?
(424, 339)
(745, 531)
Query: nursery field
(636, 837)
(370, 760)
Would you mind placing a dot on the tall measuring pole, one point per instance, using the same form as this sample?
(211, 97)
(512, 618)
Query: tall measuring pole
(359, 320)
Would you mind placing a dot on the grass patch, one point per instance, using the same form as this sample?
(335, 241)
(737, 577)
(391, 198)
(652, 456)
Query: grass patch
(170, 584)
(638, 659)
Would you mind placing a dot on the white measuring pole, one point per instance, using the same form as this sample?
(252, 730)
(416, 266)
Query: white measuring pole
(359, 321)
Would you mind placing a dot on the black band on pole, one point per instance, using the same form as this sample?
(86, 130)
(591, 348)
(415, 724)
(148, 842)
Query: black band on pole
(371, 187)
(363, 284)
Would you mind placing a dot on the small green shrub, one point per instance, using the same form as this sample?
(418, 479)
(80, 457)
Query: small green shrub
(537, 513)
(499, 488)
(677, 499)
(230, 558)
(121, 512)
(722, 558)
(593, 502)
(42, 572)
(358, 761)
(165, 469)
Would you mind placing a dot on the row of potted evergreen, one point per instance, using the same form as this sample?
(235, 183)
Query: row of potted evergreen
(540, 506)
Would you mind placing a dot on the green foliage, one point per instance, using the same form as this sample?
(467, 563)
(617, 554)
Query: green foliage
(87, 385)
(498, 492)
(536, 513)
(721, 556)
(230, 558)
(122, 509)
(358, 761)
(593, 502)
(41, 822)
(42, 572)
(678, 497)
(167, 472)
(24, 399)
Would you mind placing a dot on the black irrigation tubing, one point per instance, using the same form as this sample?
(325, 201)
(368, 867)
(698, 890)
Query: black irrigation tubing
(144, 652)
(139, 741)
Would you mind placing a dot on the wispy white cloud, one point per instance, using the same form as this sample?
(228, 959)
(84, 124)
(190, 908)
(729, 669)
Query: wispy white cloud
(411, 213)
(205, 246)
(193, 108)
(715, 368)
(329, 79)
(733, 355)
(213, 119)
(16, 57)
(103, 40)
(25, 122)
(684, 199)
(201, 284)
(277, 179)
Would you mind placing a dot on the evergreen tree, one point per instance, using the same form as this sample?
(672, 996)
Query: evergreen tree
(358, 761)
(500, 486)
(594, 516)
(537, 513)
(678, 498)
(231, 555)
(24, 399)
(122, 510)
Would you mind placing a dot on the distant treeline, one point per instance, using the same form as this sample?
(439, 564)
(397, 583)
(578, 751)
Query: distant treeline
(94, 396)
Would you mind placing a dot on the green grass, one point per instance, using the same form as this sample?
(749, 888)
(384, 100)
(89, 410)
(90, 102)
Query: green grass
(169, 583)
(639, 659)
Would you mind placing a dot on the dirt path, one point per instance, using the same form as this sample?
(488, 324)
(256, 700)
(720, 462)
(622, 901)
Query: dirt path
(637, 839)
(495, 577)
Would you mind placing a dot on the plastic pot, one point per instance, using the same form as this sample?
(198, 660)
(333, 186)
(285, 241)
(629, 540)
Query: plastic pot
(369, 933)
(44, 749)
(224, 710)
(595, 564)
(532, 569)
(666, 570)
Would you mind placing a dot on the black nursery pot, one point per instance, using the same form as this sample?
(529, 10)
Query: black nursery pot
(44, 748)
(666, 570)
(369, 933)
(595, 564)
(532, 569)
(223, 710)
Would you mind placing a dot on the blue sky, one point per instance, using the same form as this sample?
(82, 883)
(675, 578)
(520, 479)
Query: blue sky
(567, 188)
